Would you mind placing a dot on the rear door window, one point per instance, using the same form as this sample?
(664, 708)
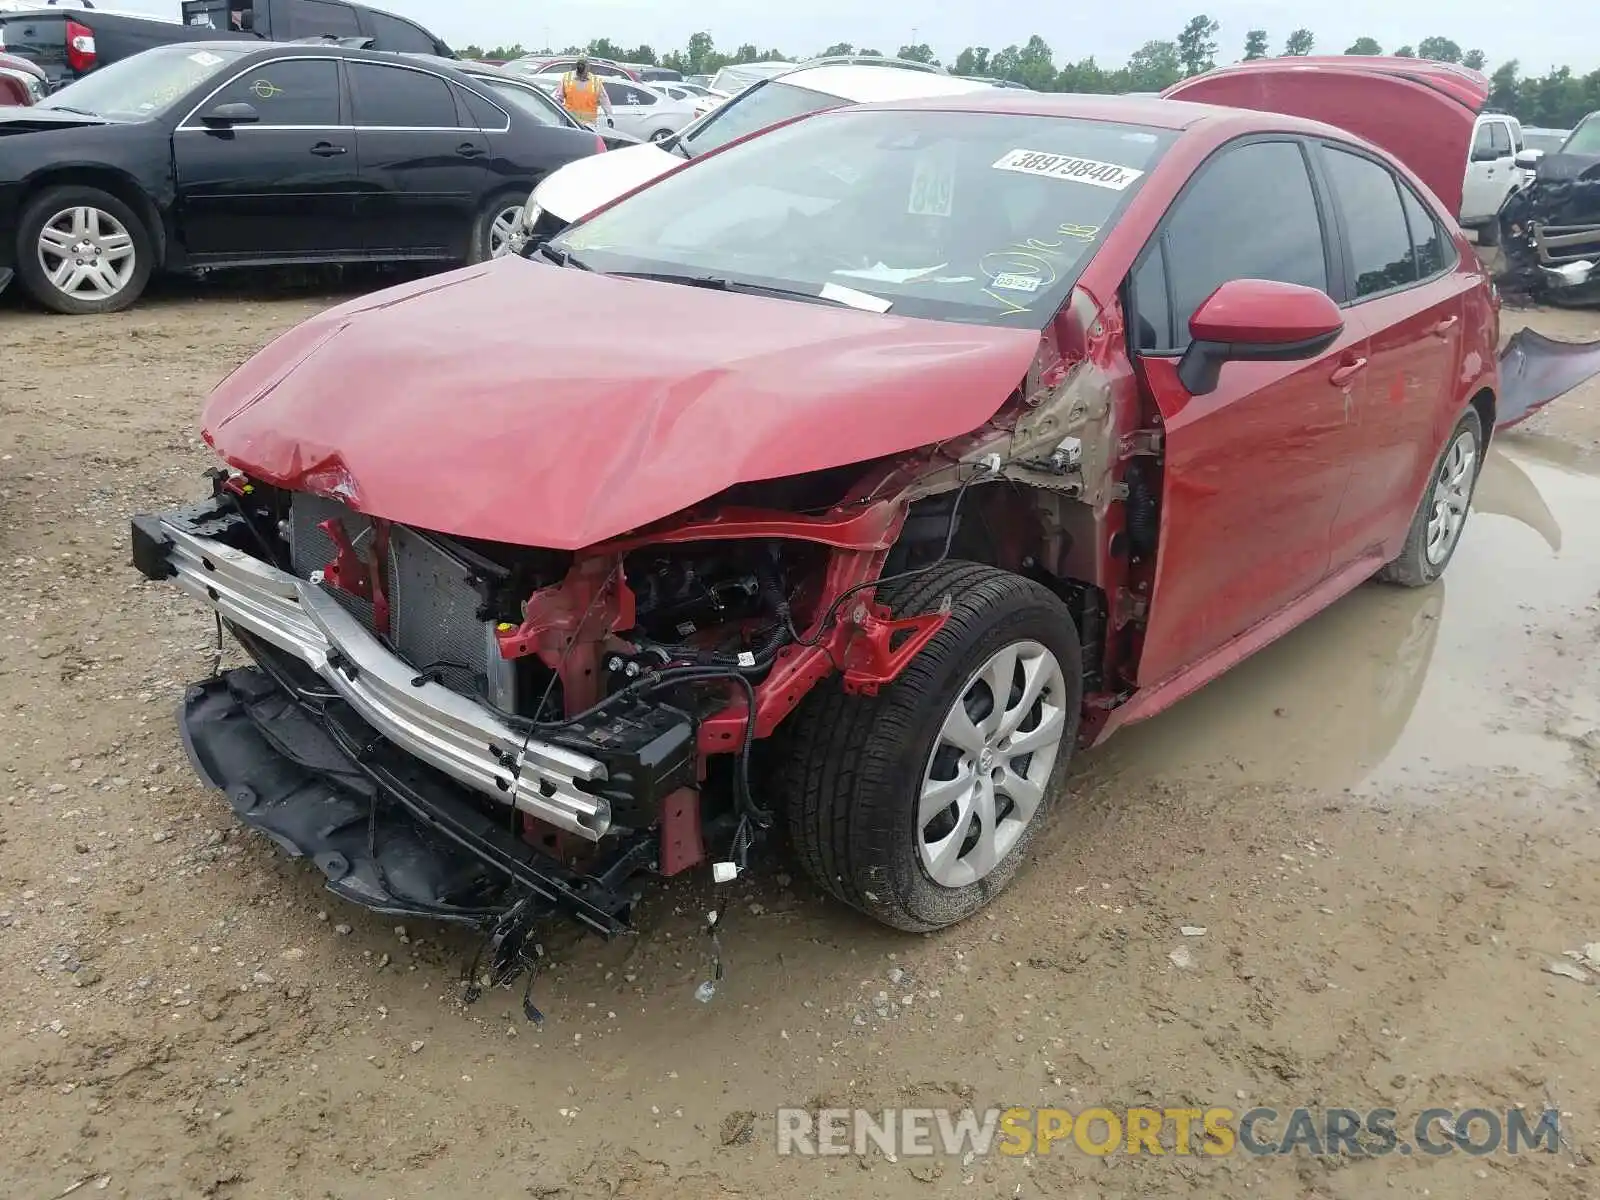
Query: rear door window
(1374, 222)
(42, 40)
(297, 91)
(1251, 213)
(1500, 139)
(1483, 140)
(399, 98)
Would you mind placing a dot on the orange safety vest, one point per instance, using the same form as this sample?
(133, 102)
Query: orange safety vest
(580, 98)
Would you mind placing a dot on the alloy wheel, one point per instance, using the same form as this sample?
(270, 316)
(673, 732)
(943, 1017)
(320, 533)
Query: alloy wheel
(1452, 493)
(503, 231)
(86, 253)
(990, 764)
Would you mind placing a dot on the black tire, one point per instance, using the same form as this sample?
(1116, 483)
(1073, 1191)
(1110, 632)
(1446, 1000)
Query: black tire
(1489, 233)
(660, 135)
(40, 211)
(851, 772)
(1412, 567)
(482, 246)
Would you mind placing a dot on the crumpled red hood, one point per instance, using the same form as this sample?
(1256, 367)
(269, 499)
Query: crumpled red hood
(529, 404)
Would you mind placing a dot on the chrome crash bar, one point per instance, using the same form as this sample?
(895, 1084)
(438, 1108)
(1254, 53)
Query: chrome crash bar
(448, 731)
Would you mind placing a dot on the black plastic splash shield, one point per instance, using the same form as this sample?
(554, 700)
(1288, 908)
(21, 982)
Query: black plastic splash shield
(388, 833)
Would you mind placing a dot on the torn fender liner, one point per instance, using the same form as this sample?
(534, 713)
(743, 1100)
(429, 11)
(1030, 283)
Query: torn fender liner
(388, 833)
(1535, 370)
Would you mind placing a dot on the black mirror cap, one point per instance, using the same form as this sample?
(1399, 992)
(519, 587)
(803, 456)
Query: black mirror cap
(1200, 368)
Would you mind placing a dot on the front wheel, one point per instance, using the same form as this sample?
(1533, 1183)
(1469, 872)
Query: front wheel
(494, 233)
(917, 805)
(1437, 524)
(82, 251)
(661, 135)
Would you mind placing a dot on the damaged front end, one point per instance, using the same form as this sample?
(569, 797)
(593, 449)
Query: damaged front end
(1550, 233)
(486, 734)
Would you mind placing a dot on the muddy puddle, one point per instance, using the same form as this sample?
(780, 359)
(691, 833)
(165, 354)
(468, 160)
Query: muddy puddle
(1394, 689)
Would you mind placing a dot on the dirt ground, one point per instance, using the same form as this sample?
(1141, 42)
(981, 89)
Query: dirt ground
(1386, 824)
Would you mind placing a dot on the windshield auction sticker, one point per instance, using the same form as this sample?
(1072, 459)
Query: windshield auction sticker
(1069, 167)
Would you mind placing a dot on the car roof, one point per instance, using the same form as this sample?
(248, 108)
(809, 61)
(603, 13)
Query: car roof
(858, 83)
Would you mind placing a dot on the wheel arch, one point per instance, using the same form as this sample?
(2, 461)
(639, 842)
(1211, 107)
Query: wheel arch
(110, 180)
(1484, 403)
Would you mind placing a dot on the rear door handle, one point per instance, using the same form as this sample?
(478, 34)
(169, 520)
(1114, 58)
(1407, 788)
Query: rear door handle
(469, 150)
(1344, 374)
(327, 150)
(1443, 328)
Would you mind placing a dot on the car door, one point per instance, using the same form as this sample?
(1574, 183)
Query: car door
(424, 165)
(1412, 303)
(627, 109)
(279, 189)
(1254, 472)
(1491, 173)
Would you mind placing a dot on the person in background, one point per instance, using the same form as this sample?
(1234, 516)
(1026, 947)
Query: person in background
(582, 94)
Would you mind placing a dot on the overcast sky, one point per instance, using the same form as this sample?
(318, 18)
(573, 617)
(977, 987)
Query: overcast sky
(1541, 35)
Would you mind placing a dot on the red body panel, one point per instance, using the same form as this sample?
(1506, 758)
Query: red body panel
(13, 87)
(1423, 114)
(523, 403)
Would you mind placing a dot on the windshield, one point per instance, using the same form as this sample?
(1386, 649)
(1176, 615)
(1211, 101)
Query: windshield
(133, 89)
(1585, 138)
(730, 80)
(763, 105)
(977, 217)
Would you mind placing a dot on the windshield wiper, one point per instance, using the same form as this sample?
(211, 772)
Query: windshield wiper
(720, 284)
(562, 258)
(67, 108)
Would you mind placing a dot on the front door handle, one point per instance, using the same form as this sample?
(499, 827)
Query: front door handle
(469, 150)
(1443, 328)
(1342, 375)
(327, 150)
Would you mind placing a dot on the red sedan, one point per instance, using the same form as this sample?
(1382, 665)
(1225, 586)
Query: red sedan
(22, 84)
(916, 444)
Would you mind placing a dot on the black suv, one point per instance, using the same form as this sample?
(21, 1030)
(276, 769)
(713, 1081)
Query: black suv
(68, 43)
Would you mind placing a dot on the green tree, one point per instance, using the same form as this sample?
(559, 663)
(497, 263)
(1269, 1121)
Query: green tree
(921, 52)
(1153, 67)
(1084, 76)
(1439, 49)
(1364, 45)
(1007, 63)
(605, 48)
(1505, 88)
(1255, 44)
(471, 51)
(837, 49)
(1474, 59)
(1299, 43)
(698, 55)
(642, 53)
(1197, 46)
(865, 53)
(746, 53)
(1036, 67)
(1405, 52)
(974, 60)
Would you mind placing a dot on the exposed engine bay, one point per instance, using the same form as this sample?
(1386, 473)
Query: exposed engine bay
(1550, 232)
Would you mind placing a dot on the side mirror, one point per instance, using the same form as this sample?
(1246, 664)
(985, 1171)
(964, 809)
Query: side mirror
(1528, 160)
(1256, 320)
(226, 116)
